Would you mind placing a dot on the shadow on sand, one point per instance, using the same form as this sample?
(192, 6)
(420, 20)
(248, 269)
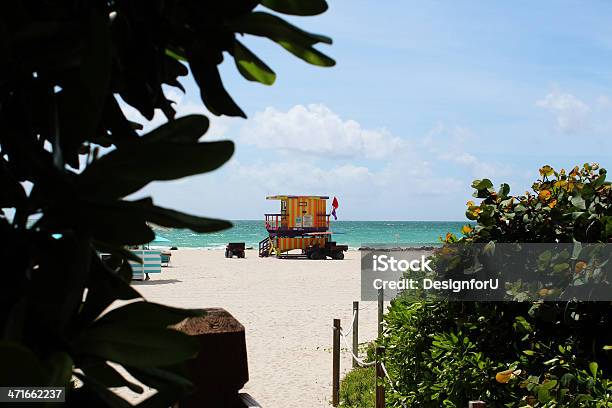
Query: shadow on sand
(155, 282)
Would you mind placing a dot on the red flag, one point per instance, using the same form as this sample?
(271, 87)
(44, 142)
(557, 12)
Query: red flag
(334, 206)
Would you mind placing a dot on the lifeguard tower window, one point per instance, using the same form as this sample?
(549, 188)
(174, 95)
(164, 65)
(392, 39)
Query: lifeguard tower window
(283, 207)
(304, 206)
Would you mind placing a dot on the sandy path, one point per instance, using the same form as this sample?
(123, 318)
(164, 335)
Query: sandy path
(286, 306)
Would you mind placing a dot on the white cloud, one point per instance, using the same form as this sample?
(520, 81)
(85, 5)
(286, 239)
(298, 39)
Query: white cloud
(453, 145)
(299, 176)
(315, 129)
(571, 113)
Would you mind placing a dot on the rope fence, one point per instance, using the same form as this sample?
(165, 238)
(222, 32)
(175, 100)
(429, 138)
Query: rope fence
(382, 373)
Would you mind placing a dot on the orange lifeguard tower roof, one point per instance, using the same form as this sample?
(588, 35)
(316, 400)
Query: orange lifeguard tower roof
(286, 197)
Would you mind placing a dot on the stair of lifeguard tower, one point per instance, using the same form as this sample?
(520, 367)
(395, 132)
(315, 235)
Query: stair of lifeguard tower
(264, 247)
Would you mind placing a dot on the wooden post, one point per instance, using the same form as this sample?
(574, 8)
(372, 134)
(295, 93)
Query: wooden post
(380, 379)
(381, 309)
(476, 404)
(336, 365)
(355, 332)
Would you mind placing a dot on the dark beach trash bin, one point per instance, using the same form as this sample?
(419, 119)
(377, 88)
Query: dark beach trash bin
(220, 370)
(234, 248)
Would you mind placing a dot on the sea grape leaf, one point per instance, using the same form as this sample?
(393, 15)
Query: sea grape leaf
(217, 100)
(297, 7)
(125, 171)
(187, 129)
(250, 66)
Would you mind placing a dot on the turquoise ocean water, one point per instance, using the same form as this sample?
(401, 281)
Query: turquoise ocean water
(353, 233)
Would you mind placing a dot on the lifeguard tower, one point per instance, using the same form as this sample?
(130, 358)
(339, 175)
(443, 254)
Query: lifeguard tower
(301, 224)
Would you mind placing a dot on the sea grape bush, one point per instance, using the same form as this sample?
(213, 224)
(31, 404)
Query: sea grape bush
(512, 354)
(563, 207)
(64, 67)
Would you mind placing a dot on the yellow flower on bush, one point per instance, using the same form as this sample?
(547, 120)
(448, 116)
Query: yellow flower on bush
(580, 266)
(470, 203)
(466, 229)
(503, 377)
(544, 195)
(547, 171)
(545, 292)
(565, 185)
(553, 203)
(575, 171)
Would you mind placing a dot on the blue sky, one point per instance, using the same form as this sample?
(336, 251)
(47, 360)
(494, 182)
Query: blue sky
(425, 97)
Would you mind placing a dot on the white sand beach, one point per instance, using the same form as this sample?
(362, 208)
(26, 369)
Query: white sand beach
(287, 307)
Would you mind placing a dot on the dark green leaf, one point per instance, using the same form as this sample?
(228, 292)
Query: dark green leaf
(483, 184)
(60, 368)
(212, 91)
(297, 7)
(291, 38)
(126, 254)
(20, 366)
(108, 376)
(187, 129)
(250, 66)
(104, 287)
(114, 227)
(593, 367)
(308, 54)
(147, 314)
(504, 190)
(143, 210)
(578, 202)
(276, 29)
(121, 129)
(137, 345)
(125, 271)
(170, 218)
(126, 170)
(158, 377)
(89, 88)
(600, 180)
(12, 193)
(174, 54)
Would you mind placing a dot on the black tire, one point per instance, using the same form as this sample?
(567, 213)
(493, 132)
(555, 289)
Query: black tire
(317, 255)
(226, 253)
(338, 255)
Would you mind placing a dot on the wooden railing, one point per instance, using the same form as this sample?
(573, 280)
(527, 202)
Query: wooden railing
(281, 221)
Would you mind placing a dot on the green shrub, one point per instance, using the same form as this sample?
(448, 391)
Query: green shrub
(511, 354)
(357, 389)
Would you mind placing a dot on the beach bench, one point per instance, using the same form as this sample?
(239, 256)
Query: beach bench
(151, 263)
